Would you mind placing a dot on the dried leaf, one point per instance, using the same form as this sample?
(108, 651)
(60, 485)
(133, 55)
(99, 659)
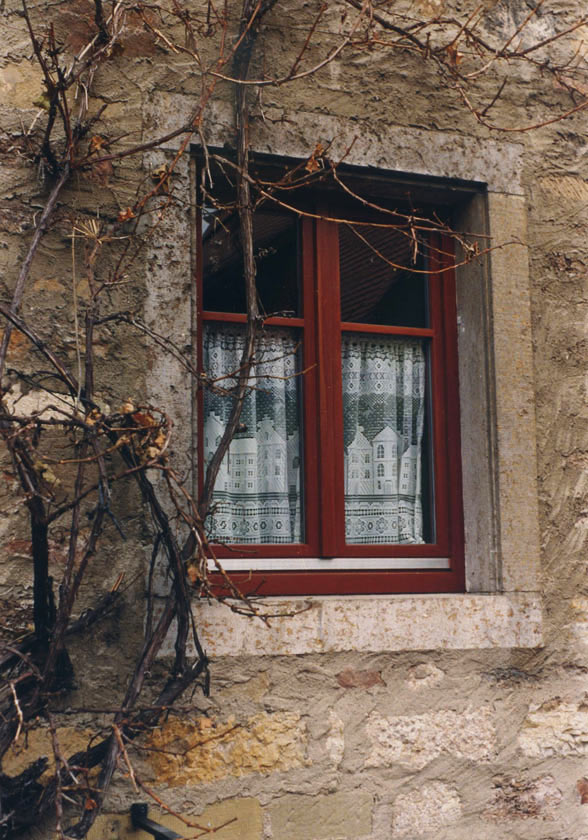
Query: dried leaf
(315, 161)
(455, 57)
(159, 440)
(125, 215)
(162, 176)
(96, 143)
(93, 417)
(46, 473)
(143, 418)
(192, 572)
(160, 172)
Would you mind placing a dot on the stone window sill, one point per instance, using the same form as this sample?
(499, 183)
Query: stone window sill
(374, 624)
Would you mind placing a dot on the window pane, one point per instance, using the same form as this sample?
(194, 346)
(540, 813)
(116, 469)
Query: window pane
(275, 246)
(373, 290)
(384, 422)
(258, 496)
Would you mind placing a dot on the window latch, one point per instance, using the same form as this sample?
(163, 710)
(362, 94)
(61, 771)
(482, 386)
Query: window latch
(139, 819)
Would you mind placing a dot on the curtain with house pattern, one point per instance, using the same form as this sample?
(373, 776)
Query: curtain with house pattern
(257, 496)
(383, 414)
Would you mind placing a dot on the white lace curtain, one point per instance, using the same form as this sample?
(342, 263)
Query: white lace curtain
(383, 412)
(257, 493)
(257, 498)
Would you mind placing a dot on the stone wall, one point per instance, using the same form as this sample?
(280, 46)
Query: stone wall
(402, 717)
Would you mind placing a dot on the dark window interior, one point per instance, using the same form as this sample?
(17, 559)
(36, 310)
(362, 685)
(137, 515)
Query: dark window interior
(378, 280)
(276, 253)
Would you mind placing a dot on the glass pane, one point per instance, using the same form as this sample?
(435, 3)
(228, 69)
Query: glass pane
(275, 243)
(258, 493)
(384, 397)
(373, 289)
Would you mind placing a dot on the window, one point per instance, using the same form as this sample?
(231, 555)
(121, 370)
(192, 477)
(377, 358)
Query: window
(375, 334)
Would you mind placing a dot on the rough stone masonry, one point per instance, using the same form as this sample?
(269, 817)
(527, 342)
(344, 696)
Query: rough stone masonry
(364, 718)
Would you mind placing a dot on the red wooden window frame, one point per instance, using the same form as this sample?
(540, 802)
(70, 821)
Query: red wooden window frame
(323, 495)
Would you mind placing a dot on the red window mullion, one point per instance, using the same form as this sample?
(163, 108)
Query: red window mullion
(309, 388)
(328, 307)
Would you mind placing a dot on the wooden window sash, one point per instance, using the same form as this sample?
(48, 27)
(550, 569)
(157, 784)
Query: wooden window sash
(322, 433)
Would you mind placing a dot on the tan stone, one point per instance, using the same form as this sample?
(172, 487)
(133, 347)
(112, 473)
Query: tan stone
(209, 750)
(335, 744)
(414, 741)
(555, 728)
(578, 626)
(20, 85)
(234, 819)
(37, 743)
(427, 809)
(343, 814)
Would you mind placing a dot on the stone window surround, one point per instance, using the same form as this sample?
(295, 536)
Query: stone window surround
(502, 605)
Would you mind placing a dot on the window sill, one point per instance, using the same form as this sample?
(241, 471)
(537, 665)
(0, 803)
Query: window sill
(315, 564)
(374, 624)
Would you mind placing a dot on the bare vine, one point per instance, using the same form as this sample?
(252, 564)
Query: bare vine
(72, 484)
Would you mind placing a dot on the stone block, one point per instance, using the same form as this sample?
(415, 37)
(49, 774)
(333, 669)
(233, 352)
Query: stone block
(555, 728)
(209, 750)
(416, 740)
(335, 744)
(523, 798)
(20, 85)
(428, 809)
(340, 815)
(578, 626)
(38, 743)
(234, 819)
